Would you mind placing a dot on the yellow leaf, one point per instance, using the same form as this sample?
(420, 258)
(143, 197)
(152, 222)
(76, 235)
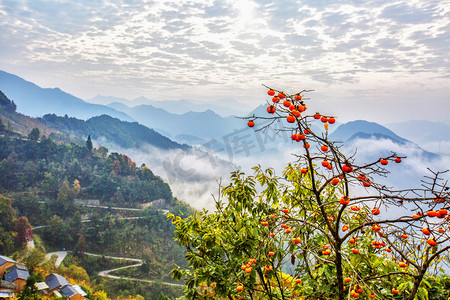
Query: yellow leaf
(326, 126)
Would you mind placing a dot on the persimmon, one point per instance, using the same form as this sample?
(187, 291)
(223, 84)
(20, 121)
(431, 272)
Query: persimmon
(317, 116)
(307, 131)
(243, 267)
(347, 279)
(298, 97)
(281, 95)
(271, 109)
(388, 250)
(344, 200)
(298, 280)
(347, 168)
(271, 92)
(367, 183)
(345, 228)
(268, 268)
(331, 120)
(290, 119)
(240, 288)
(301, 108)
(325, 163)
(271, 253)
(287, 231)
(292, 107)
(286, 103)
(372, 296)
(398, 160)
(264, 223)
(251, 123)
(286, 210)
(431, 242)
(324, 148)
(272, 234)
(326, 252)
(415, 216)
(426, 231)
(355, 208)
(296, 113)
(384, 162)
(440, 230)
(272, 216)
(376, 211)
(248, 270)
(404, 236)
(402, 264)
(442, 212)
(335, 181)
(324, 119)
(303, 171)
(395, 291)
(275, 99)
(355, 251)
(352, 241)
(297, 241)
(306, 145)
(432, 213)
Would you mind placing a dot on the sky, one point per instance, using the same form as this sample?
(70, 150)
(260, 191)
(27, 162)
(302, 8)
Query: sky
(380, 60)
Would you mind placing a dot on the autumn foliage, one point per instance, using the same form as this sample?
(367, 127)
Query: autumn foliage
(326, 229)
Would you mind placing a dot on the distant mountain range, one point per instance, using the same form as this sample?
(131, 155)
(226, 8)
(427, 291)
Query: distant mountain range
(224, 107)
(34, 101)
(109, 130)
(191, 126)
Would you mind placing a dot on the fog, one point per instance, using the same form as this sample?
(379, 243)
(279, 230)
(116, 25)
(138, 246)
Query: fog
(194, 176)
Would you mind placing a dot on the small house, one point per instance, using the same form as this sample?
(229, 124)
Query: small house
(7, 289)
(73, 292)
(17, 274)
(42, 287)
(55, 281)
(5, 263)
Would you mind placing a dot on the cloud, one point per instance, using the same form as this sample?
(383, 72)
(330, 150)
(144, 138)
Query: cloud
(162, 49)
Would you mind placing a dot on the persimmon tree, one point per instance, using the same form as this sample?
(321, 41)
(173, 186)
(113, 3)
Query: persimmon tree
(326, 229)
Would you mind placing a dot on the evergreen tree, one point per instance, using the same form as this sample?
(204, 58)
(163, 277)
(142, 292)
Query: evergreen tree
(34, 134)
(89, 143)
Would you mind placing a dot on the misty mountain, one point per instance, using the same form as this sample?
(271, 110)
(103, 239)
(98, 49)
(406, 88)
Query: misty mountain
(199, 126)
(364, 129)
(421, 132)
(225, 107)
(35, 101)
(111, 130)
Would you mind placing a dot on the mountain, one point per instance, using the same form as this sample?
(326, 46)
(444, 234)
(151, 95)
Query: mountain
(422, 131)
(35, 101)
(111, 130)
(223, 107)
(364, 129)
(198, 125)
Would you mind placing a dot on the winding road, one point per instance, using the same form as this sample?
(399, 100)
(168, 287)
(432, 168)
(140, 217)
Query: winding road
(105, 273)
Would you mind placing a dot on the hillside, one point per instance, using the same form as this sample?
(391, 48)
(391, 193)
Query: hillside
(41, 180)
(111, 131)
(35, 101)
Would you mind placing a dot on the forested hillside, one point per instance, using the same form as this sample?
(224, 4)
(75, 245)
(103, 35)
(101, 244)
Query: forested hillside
(47, 183)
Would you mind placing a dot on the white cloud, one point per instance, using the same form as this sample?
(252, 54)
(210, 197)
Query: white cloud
(214, 49)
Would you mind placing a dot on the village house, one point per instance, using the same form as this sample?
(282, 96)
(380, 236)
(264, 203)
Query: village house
(17, 274)
(5, 262)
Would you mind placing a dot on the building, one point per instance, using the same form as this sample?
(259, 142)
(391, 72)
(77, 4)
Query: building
(73, 292)
(17, 274)
(55, 281)
(5, 263)
(7, 289)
